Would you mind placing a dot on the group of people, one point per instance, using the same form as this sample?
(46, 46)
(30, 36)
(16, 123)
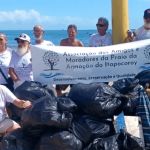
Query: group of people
(18, 64)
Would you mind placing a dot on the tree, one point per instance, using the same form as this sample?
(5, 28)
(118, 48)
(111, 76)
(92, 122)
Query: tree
(51, 59)
(23, 63)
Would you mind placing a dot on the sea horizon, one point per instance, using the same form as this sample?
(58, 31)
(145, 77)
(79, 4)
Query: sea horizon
(55, 36)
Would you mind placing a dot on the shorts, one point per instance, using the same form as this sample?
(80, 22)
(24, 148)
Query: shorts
(5, 124)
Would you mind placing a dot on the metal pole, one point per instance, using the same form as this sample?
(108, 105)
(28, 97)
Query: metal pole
(120, 20)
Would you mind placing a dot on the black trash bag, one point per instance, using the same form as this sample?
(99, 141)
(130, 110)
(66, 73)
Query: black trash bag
(31, 91)
(128, 142)
(129, 100)
(64, 95)
(109, 143)
(123, 85)
(62, 140)
(96, 99)
(87, 128)
(144, 77)
(43, 115)
(66, 104)
(128, 105)
(122, 141)
(16, 140)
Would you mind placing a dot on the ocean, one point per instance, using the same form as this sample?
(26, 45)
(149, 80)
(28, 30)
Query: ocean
(54, 36)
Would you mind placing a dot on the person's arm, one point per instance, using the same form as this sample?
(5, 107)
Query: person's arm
(62, 42)
(21, 103)
(80, 44)
(135, 37)
(10, 97)
(13, 75)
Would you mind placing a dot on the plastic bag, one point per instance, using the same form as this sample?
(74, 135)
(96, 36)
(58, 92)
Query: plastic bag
(62, 140)
(122, 141)
(44, 114)
(16, 140)
(66, 104)
(97, 99)
(123, 85)
(87, 128)
(31, 91)
(144, 77)
(64, 95)
(128, 105)
(128, 101)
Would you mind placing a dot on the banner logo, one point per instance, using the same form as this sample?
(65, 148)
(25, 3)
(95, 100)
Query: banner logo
(147, 52)
(51, 59)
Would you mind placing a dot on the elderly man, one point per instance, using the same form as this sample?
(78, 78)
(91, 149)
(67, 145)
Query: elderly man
(20, 67)
(101, 38)
(144, 31)
(38, 33)
(6, 124)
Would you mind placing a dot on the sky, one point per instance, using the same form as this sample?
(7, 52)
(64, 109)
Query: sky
(58, 14)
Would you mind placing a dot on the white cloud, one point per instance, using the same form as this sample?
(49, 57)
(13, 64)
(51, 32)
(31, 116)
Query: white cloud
(20, 19)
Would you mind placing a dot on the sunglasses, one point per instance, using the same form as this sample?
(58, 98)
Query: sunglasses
(20, 41)
(100, 25)
(146, 17)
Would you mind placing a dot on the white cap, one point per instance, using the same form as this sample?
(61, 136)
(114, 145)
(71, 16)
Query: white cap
(24, 37)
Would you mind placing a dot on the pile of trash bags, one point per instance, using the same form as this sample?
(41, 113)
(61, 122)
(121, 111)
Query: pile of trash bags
(79, 120)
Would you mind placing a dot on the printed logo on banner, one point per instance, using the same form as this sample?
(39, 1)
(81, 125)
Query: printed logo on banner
(50, 59)
(147, 55)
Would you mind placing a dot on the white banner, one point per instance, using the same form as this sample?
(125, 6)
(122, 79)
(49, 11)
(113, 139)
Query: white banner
(70, 65)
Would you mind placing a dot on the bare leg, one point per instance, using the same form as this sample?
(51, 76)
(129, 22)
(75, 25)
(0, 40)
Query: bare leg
(13, 127)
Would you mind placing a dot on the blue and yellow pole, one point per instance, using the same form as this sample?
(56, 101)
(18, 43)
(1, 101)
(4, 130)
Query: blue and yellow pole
(120, 20)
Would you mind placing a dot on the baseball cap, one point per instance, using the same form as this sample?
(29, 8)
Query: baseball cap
(147, 12)
(24, 37)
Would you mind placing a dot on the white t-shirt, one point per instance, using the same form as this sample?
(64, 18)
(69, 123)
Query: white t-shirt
(5, 96)
(97, 41)
(4, 64)
(22, 67)
(47, 43)
(142, 34)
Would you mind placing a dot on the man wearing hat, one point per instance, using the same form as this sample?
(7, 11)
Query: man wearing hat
(20, 67)
(144, 31)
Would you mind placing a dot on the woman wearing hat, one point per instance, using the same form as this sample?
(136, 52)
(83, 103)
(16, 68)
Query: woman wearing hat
(129, 37)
